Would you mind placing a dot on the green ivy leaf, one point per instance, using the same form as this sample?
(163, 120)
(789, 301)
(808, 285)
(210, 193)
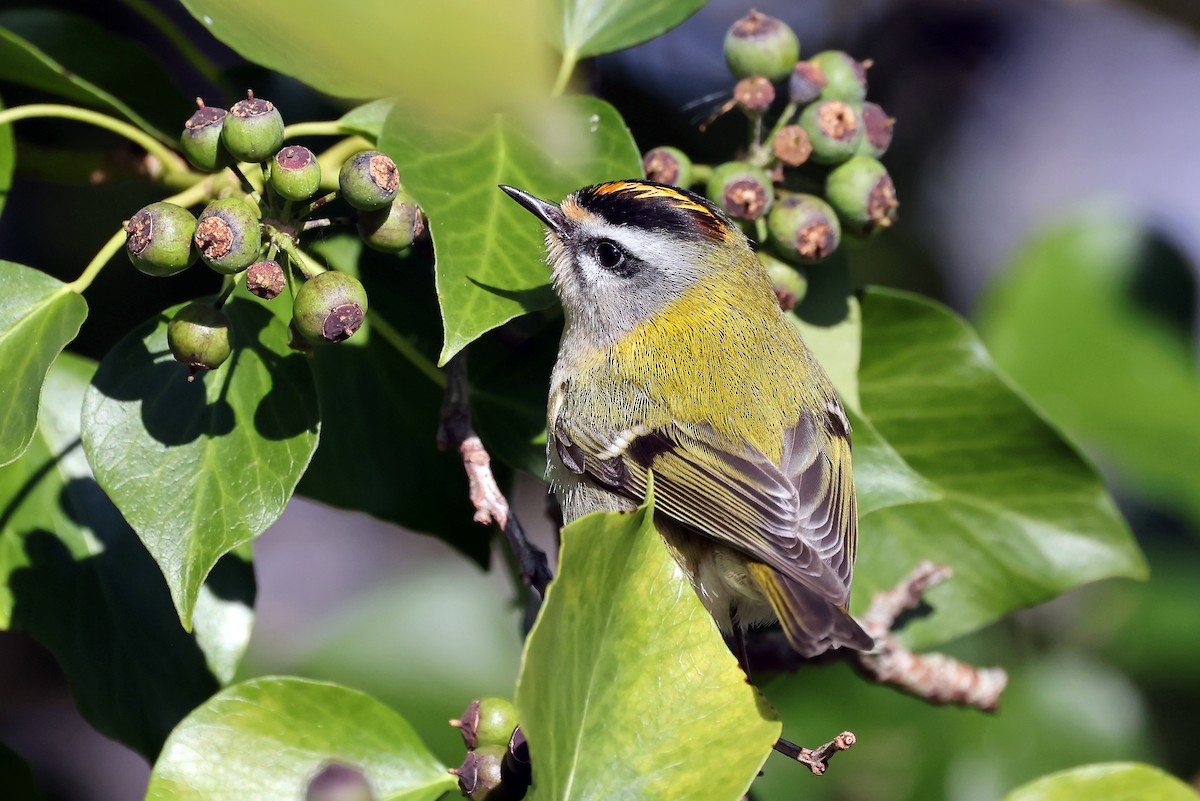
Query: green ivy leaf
(490, 252)
(592, 27)
(199, 468)
(378, 451)
(266, 738)
(454, 54)
(1004, 499)
(1113, 781)
(368, 119)
(627, 689)
(39, 315)
(71, 56)
(1066, 323)
(74, 575)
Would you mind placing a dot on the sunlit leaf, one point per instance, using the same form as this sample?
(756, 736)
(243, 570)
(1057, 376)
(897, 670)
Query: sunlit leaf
(627, 689)
(268, 737)
(76, 577)
(199, 468)
(1004, 499)
(1113, 781)
(591, 27)
(490, 252)
(39, 315)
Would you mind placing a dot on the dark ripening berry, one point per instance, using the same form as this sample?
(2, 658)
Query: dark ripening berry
(329, 307)
(742, 190)
(392, 229)
(295, 173)
(754, 95)
(488, 721)
(482, 776)
(805, 83)
(761, 45)
(790, 284)
(265, 279)
(845, 76)
(791, 145)
(201, 139)
(863, 194)
(369, 180)
(228, 236)
(834, 129)
(338, 782)
(158, 239)
(198, 336)
(803, 228)
(253, 130)
(668, 165)
(877, 131)
(517, 767)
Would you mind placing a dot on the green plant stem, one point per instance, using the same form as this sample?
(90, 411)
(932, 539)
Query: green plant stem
(188, 197)
(170, 160)
(566, 68)
(318, 128)
(304, 211)
(701, 173)
(298, 257)
(191, 54)
(406, 348)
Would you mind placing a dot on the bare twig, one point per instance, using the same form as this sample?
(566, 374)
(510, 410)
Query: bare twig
(817, 759)
(456, 431)
(934, 677)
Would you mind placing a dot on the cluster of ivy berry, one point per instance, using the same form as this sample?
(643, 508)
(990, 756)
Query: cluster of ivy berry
(827, 127)
(256, 235)
(497, 766)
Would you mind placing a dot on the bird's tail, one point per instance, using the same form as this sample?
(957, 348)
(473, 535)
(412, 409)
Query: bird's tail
(812, 624)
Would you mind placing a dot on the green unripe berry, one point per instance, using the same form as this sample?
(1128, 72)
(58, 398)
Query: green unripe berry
(803, 228)
(845, 76)
(789, 283)
(742, 190)
(228, 235)
(392, 229)
(758, 44)
(201, 139)
(329, 307)
(338, 782)
(488, 721)
(863, 194)
(668, 165)
(834, 129)
(369, 180)
(877, 131)
(295, 173)
(158, 239)
(198, 336)
(253, 130)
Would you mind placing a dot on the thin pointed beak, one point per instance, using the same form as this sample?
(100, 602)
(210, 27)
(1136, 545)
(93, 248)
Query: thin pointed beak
(548, 213)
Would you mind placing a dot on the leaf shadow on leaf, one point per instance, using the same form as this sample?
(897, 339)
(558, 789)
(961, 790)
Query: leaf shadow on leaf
(535, 299)
(107, 617)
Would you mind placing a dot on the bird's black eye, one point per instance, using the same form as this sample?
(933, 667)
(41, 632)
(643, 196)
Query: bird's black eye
(610, 255)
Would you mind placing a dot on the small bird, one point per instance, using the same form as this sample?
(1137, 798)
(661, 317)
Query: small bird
(676, 358)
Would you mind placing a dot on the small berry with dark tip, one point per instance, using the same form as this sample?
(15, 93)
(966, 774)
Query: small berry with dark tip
(742, 190)
(834, 129)
(668, 165)
(369, 180)
(158, 239)
(845, 76)
(265, 279)
(295, 173)
(329, 307)
(338, 782)
(805, 83)
(198, 336)
(789, 283)
(803, 228)
(754, 95)
(791, 145)
(394, 227)
(877, 130)
(758, 44)
(228, 235)
(253, 130)
(863, 194)
(201, 138)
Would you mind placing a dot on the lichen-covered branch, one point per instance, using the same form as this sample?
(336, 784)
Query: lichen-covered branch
(456, 431)
(933, 677)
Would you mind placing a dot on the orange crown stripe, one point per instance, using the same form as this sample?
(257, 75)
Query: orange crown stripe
(648, 191)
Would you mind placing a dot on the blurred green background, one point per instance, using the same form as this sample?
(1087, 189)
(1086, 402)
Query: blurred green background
(1045, 159)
